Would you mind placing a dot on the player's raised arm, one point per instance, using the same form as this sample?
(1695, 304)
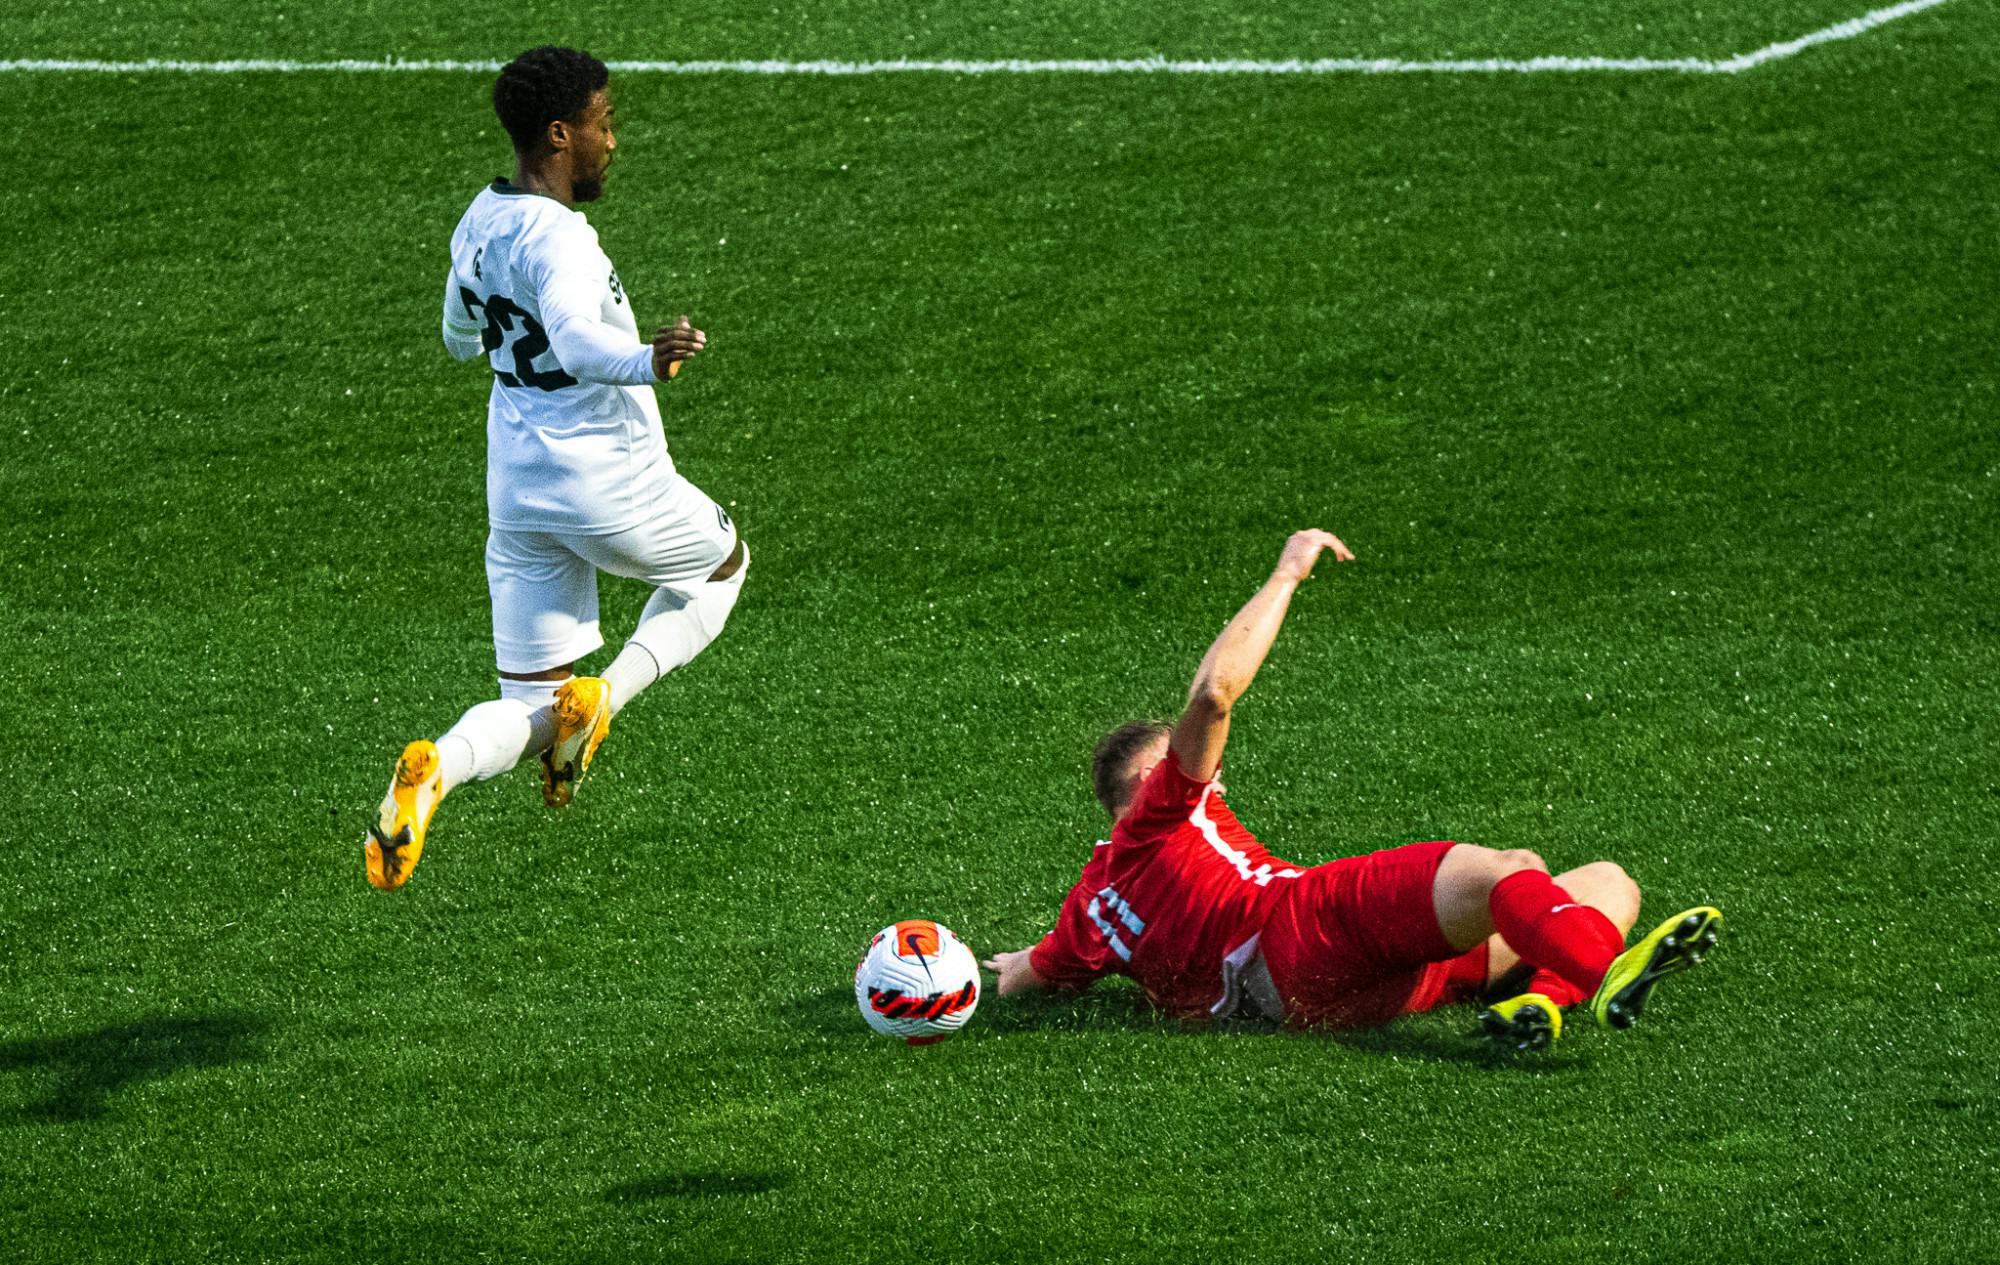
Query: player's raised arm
(1231, 663)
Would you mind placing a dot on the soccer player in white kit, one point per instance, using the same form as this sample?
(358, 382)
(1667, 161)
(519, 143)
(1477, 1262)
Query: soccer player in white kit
(577, 474)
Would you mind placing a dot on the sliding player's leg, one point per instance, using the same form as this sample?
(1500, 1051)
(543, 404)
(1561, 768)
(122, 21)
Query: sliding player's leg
(1481, 891)
(1406, 929)
(1527, 1011)
(1603, 886)
(1572, 930)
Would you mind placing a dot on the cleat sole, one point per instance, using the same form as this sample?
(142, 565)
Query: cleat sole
(1519, 1027)
(1677, 945)
(583, 717)
(395, 839)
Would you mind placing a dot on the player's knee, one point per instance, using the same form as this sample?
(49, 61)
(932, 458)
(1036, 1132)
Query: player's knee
(738, 559)
(1470, 871)
(1515, 860)
(1611, 890)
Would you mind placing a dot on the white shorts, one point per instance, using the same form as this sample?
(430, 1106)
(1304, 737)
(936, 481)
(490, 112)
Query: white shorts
(544, 583)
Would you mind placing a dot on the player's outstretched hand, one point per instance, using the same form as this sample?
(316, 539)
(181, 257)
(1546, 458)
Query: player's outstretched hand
(1017, 974)
(675, 344)
(1303, 549)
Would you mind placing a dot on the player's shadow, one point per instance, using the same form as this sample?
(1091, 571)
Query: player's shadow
(81, 1072)
(1425, 1038)
(1110, 1007)
(1116, 1007)
(831, 1011)
(698, 1185)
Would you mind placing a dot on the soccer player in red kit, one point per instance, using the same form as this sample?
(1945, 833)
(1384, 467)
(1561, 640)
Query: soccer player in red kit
(1185, 900)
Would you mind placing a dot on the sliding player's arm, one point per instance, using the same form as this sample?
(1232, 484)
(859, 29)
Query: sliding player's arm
(1016, 971)
(1232, 662)
(1069, 956)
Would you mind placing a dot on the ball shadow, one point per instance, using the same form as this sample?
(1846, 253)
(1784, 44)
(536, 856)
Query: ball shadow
(829, 1011)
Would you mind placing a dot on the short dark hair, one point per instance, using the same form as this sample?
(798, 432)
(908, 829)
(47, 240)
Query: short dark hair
(542, 85)
(1111, 763)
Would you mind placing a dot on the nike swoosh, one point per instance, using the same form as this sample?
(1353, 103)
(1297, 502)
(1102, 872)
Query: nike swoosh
(913, 940)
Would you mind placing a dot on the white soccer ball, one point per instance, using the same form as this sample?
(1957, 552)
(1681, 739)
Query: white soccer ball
(917, 981)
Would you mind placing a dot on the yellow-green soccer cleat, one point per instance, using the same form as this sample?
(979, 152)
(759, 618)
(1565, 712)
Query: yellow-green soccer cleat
(583, 717)
(1676, 944)
(396, 836)
(1531, 1021)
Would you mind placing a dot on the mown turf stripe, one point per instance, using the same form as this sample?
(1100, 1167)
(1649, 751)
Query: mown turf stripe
(1022, 66)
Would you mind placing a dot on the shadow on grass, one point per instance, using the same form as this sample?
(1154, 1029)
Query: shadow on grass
(1444, 1036)
(1430, 1043)
(1111, 1006)
(830, 1011)
(833, 1012)
(85, 1069)
(708, 1185)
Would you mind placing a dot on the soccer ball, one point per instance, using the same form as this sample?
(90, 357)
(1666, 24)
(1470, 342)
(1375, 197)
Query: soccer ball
(917, 981)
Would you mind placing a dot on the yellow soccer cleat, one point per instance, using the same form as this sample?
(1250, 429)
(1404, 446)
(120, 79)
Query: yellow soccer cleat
(1528, 1022)
(583, 717)
(396, 838)
(1676, 944)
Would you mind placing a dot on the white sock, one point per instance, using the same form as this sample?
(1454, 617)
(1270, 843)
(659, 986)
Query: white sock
(633, 670)
(539, 698)
(492, 737)
(487, 741)
(673, 629)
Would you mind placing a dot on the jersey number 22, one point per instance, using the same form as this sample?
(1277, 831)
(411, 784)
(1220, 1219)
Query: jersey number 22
(503, 317)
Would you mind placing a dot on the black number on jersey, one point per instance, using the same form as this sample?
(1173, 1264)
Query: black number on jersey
(503, 316)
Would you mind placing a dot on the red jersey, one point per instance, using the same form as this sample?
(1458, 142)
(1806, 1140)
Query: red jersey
(1179, 887)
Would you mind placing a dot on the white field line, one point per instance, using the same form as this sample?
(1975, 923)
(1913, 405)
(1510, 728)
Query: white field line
(1149, 65)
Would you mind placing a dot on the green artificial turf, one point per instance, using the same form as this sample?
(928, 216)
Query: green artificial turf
(1660, 411)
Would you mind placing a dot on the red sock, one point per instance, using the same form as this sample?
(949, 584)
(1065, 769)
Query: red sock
(1556, 988)
(1570, 945)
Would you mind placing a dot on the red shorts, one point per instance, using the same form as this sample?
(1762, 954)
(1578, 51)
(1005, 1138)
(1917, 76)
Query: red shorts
(1354, 943)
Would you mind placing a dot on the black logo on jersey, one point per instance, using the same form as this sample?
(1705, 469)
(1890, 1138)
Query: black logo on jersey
(722, 516)
(617, 290)
(475, 262)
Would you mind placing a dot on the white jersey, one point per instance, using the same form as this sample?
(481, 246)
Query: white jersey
(573, 435)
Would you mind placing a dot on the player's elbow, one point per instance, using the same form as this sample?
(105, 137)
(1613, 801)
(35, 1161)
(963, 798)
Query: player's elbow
(1212, 696)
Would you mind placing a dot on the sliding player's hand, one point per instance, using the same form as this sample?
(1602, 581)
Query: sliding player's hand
(673, 345)
(1303, 549)
(1017, 974)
